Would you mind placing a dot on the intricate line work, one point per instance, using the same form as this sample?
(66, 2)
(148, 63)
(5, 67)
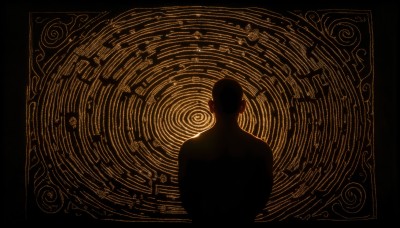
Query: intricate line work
(111, 98)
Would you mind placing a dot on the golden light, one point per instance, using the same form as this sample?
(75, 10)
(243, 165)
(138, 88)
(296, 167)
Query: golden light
(111, 98)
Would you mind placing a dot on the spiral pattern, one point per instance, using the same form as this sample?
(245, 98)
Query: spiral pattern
(352, 200)
(113, 110)
(345, 32)
(49, 199)
(54, 34)
(353, 197)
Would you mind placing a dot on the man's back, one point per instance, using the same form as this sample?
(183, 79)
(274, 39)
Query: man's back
(225, 176)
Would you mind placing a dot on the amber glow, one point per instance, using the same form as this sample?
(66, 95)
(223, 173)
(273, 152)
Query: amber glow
(110, 99)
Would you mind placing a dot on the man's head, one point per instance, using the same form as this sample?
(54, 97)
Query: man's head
(227, 97)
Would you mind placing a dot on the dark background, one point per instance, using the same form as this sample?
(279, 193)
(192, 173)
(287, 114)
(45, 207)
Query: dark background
(15, 57)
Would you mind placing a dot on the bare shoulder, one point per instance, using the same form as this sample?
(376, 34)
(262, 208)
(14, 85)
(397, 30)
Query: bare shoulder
(201, 139)
(190, 143)
(189, 147)
(197, 147)
(259, 147)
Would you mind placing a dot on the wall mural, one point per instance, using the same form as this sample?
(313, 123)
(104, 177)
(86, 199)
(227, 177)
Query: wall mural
(111, 96)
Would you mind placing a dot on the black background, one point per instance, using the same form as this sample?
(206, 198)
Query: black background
(15, 60)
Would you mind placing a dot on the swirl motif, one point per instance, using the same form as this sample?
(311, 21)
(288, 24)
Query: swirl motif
(352, 200)
(353, 197)
(345, 33)
(49, 199)
(54, 34)
(113, 110)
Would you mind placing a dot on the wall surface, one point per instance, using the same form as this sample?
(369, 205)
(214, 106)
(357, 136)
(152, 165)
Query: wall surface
(369, 176)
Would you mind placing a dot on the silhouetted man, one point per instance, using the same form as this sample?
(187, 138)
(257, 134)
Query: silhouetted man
(225, 174)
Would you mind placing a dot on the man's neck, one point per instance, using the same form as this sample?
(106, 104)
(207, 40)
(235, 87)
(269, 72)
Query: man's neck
(226, 122)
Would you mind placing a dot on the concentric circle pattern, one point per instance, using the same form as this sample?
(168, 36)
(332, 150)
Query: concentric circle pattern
(112, 97)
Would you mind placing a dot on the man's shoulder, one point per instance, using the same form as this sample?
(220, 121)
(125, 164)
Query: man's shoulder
(198, 139)
(259, 146)
(255, 139)
(190, 142)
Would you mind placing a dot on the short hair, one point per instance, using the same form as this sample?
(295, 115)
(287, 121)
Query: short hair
(227, 95)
